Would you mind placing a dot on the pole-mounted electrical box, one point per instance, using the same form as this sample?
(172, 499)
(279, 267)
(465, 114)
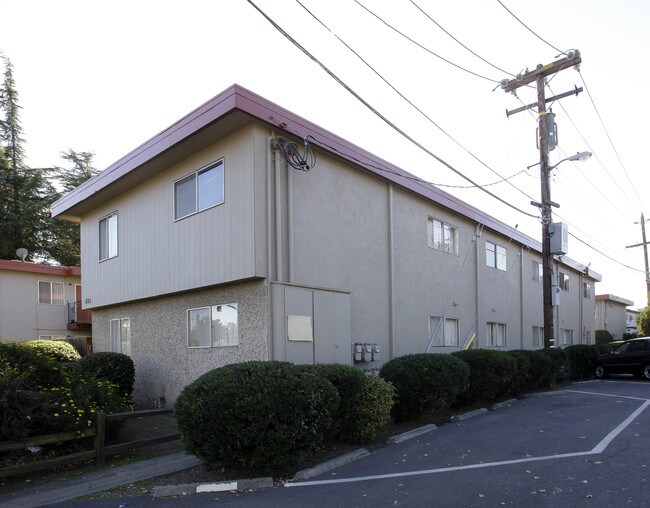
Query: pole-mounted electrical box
(559, 232)
(552, 132)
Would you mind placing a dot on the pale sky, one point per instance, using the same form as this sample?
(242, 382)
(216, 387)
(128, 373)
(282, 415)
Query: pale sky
(105, 77)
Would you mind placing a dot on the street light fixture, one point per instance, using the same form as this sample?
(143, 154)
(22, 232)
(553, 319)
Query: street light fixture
(547, 255)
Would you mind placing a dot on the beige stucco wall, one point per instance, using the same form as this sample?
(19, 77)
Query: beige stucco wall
(163, 362)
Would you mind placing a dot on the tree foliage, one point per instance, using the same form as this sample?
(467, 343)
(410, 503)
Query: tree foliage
(643, 322)
(27, 192)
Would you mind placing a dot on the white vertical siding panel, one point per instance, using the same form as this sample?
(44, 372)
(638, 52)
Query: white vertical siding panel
(159, 256)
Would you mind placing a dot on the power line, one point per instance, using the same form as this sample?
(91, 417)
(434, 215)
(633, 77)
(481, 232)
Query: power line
(455, 39)
(610, 138)
(423, 47)
(529, 29)
(427, 117)
(605, 255)
(377, 113)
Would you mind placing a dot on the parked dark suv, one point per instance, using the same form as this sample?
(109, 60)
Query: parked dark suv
(631, 357)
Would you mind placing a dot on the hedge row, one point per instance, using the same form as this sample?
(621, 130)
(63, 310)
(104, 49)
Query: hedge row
(46, 388)
(270, 415)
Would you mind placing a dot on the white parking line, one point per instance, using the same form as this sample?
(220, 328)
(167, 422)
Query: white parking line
(599, 448)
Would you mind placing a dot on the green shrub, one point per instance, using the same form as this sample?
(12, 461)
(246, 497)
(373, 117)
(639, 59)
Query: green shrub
(603, 337)
(561, 367)
(116, 368)
(490, 374)
(265, 415)
(580, 357)
(520, 380)
(605, 348)
(39, 396)
(365, 403)
(628, 336)
(56, 350)
(426, 383)
(540, 369)
(643, 322)
(372, 412)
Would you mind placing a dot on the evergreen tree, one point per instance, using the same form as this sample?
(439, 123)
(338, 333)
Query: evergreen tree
(64, 245)
(25, 191)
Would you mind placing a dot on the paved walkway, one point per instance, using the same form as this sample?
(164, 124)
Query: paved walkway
(98, 481)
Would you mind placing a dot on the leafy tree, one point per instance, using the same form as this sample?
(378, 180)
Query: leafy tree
(64, 245)
(25, 191)
(643, 322)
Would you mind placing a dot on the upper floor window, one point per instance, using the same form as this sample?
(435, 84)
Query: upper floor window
(586, 290)
(214, 326)
(497, 334)
(199, 190)
(495, 256)
(442, 236)
(108, 237)
(50, 292)
(563, 281)
(538, 273)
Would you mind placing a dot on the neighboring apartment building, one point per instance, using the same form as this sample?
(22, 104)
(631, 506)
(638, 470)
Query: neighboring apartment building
(631, 316)
(41, 302)
(214, 243)
(611, 314)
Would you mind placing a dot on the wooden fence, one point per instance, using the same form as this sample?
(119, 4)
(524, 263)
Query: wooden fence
(99, 452)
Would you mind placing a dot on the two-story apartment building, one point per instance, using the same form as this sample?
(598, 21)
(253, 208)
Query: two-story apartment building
(220, 241)
(611, 314)
(42, 302)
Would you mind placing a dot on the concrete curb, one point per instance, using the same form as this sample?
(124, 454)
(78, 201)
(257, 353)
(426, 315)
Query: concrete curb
(331, 464)
(405, 436)
(470, 414)
(504, 403)
(544, 394)
(198, 488)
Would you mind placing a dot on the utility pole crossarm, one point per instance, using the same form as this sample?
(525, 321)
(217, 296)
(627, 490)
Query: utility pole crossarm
(572, 59)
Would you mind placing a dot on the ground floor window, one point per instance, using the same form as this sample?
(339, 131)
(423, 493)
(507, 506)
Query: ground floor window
(447, 332)
(213, 326)
(538, 336)
(51, 337)
(120, 330)
(496, 334)
(567, 337)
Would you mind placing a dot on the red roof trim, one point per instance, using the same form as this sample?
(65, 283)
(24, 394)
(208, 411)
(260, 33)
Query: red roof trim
(19, 266)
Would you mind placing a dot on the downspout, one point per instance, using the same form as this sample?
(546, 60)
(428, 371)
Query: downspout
(290, 221)
(521, 295)
(270, 162)
(278, 217)
(391, 277)
(476, 284)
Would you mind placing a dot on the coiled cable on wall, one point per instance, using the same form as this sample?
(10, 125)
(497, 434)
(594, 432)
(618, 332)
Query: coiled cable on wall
(291, 153)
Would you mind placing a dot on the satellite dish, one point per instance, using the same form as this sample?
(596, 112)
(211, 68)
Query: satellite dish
(22, 253)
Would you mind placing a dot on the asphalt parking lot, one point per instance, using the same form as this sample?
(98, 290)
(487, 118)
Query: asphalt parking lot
(583, 445)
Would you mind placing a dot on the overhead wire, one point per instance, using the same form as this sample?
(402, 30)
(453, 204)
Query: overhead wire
(419, 110)
(378, 114)
(424, 47)
(530, 29)
(455, 39)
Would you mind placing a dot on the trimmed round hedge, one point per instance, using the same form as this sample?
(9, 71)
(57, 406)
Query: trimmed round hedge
(580, 357)
(264, 415)
(366, 401)
(426, 383)
(56, 350)
(540, 369)
(491, 374)
(117, 368)
(561, 366)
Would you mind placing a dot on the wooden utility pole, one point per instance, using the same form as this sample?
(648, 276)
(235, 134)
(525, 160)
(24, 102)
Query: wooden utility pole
(539, 75)
(644, 243)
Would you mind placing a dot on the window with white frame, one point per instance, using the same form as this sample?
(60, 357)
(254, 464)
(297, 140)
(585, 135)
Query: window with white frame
(51, 337)
(214, 326)
(120, 332)
(108, 237)
(496, 334)
(563, 281)
(442, 236)
(567, 337)
(586, 290)
(538, 272)
(538, 336)
(50, 293)
(448, 332)
(495, 256)
(199, 191)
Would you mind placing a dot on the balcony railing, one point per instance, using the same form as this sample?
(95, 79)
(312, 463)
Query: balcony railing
(78, 317)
